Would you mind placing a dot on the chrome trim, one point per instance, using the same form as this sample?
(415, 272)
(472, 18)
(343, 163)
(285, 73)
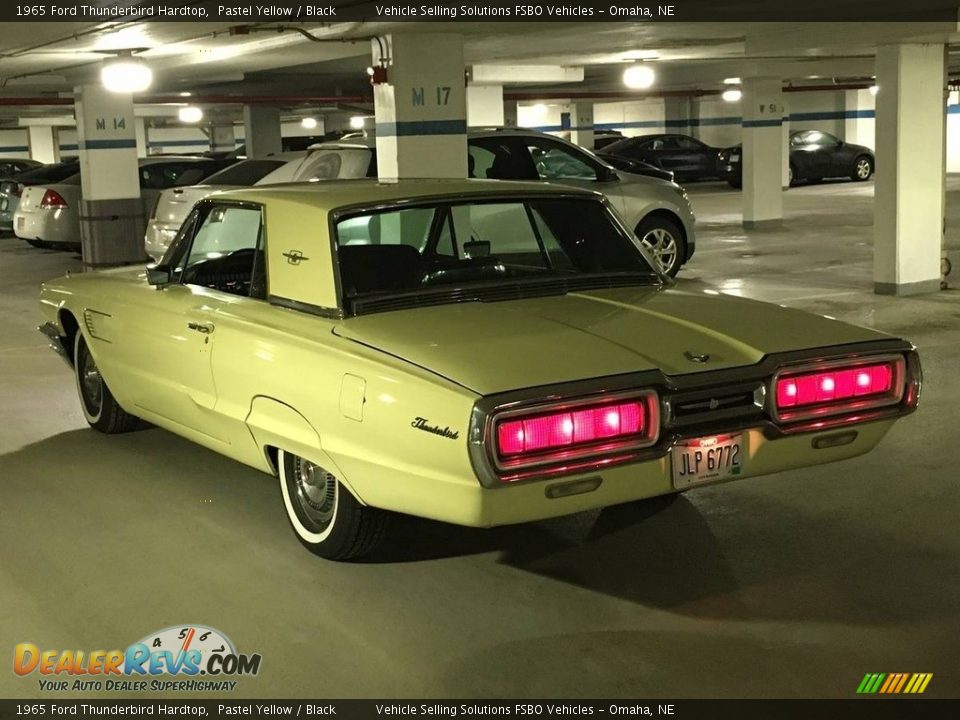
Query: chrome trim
(56, 341)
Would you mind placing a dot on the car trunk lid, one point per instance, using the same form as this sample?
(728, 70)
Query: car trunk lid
(500, 346)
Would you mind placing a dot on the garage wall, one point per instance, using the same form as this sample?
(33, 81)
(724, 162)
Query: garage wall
(817, 111)
(631, 118)
(718, 123)
(14, 144)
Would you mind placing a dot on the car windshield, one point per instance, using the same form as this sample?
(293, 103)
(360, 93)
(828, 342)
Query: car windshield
(484, 244)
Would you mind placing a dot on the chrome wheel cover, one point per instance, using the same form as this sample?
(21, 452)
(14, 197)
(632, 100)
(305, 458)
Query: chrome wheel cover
(863, 168)
(91, 382)
(662, 245)
(314, 493)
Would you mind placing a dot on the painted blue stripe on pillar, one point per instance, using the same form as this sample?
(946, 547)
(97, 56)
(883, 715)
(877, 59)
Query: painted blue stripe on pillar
(953, 109)
(70, 147)
(113, 144)
(762, 123)
(422, 127)
(14, 148)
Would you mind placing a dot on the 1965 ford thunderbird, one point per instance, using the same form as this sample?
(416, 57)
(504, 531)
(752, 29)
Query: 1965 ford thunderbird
(474, 352)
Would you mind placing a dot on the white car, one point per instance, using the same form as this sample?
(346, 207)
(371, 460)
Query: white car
(658, 211)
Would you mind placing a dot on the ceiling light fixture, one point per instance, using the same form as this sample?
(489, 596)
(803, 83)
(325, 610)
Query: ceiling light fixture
(308, 123)
(874, 89)
(190, 114)
(357, 122)
(125, 74)
(732, 95)
(731, 81)
(639, 77)
(640, 55)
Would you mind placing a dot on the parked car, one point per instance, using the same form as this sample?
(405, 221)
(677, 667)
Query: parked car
(602, 138)
(637, 167)
(12, 188)
(49, 213)
(475, 352)
(814, 155)
(173, 204)
(657, 210)
(10, 167)
(686, 157)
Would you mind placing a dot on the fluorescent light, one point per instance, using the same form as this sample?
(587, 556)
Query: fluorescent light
(731, 81)
(640, 55)
(308, 123)
(732, 95)
(639, 77)
(190, 114)
(185, 94)
(874, 89)
(126, 75)
(357, 122)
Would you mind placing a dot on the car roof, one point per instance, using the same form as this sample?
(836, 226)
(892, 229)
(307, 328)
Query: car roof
(343, 193)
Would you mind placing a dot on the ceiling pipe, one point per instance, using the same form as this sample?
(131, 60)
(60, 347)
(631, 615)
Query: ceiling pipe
(199, 100)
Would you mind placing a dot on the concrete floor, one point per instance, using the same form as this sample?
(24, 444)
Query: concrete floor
(789, 585)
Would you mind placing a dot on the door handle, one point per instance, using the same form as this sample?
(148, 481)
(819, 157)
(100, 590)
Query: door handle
(205, 328)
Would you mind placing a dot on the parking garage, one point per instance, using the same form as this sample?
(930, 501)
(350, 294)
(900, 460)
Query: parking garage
(817, 162)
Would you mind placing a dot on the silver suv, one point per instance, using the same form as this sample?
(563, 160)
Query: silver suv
(657, 210)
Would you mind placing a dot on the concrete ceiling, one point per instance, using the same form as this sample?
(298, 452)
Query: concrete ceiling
(51, 58)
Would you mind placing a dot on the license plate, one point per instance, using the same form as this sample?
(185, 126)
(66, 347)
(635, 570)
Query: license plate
(707, 460)
(734, 158)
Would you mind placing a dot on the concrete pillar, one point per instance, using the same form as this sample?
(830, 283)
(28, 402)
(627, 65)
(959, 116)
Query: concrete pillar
(222, 138)
(44, 143)
(909, 192)
(484, 105)
(111, 212)
(762, 152)
(859, 124)
(143, 148)
(785, 140)
(581, 124)
(421, 111)
(262, 130)
(510, 110)
(678, 115)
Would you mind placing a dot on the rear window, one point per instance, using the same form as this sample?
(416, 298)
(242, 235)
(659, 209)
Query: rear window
(49, 173)
(244, 173)
(414, 249)
(163, 175)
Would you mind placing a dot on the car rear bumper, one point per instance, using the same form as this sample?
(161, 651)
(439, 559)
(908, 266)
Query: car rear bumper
(158, 237)
(50, 226)
(470, 504)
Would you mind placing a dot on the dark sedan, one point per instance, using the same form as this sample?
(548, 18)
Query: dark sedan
(686, 157)
(814, 155)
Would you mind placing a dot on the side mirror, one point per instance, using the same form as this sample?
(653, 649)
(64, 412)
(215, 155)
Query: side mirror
(159, 275)
(607, 174)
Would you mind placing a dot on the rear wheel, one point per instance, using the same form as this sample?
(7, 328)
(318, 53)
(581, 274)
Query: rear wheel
(99, 407)
(325, 516)
(792, 175)
(665, 242)
(862, 169)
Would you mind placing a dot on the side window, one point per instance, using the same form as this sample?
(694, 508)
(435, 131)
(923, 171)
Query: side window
(227, 252)
(687, 143)
(509, 161)
(404, 227)
(558, 162)
(479, 161)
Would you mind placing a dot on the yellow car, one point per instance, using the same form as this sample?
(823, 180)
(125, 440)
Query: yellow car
(475, 352)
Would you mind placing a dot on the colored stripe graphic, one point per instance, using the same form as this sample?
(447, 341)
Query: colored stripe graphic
(894, 683)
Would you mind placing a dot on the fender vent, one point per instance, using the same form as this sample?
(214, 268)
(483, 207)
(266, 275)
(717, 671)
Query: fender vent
(91, 320)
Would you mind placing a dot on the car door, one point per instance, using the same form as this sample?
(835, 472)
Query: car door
(217, 256)
(699, 160)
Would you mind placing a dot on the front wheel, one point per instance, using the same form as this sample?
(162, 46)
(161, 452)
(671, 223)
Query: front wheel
(665, 242)
(862, 169)
(100, 408)
(326, 517)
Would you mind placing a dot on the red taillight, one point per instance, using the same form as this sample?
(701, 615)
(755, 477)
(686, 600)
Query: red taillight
(53, 200)
(838, 388)
(576, 431)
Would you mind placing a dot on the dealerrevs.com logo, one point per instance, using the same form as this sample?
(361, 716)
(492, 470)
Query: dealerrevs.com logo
(196, 656)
